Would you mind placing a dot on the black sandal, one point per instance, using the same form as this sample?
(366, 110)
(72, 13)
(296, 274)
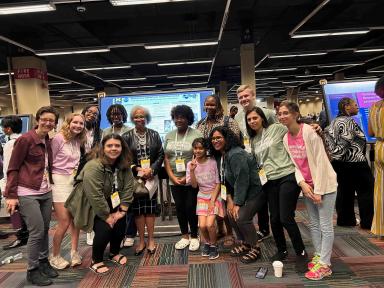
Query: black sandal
(95, 269)
(239, 250)
(118, 261)
(251, 256)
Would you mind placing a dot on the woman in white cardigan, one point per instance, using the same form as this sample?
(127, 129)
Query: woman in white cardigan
(317, 179)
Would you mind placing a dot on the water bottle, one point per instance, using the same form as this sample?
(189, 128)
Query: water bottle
(12, 258)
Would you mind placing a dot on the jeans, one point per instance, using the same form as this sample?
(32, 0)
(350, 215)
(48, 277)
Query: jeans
(36, 212)
(282, 196)
(321, 225)
(131, 229)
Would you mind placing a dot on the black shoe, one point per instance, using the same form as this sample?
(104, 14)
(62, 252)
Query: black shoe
(301, 264)
(36, 278)
(279, 256)
(3, 235)
(262, 235)
(16, 243)
(46, 269)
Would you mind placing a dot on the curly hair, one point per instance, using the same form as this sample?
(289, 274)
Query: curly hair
(183, 111)
(116, 108)
(66, 131)
(230, 138)
(201, 141)
(264, 123)
(124, 161)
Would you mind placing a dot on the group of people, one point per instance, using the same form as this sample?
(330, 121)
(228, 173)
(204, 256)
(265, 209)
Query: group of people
(222, 172)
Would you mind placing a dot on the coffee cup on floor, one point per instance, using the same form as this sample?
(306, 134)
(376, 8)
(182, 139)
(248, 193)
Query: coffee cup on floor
(278, 268)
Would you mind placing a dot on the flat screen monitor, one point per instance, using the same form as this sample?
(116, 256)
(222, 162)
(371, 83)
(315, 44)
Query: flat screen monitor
(27, 125)
(159, 105)
(360, 91)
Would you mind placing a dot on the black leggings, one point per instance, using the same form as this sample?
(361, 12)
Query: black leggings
(185, 200)
(104, 234)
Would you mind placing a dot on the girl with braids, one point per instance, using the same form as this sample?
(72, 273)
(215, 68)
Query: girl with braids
(117, 116)
(317, 179)
(347, 147)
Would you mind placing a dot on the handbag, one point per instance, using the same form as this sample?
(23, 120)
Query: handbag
(140, 190)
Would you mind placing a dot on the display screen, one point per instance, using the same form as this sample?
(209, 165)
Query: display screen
(159, 105)
(27, 122)
(360, 91)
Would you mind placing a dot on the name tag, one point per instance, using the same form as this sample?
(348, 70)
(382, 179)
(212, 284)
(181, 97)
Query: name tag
(115, 199)
(145, 163)
(180, 165)
(247, 145)
(223, 192)
(263, 176)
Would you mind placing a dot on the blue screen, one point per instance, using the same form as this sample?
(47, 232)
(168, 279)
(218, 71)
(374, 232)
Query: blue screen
(159, 105)
(26, 119)
(361, 91)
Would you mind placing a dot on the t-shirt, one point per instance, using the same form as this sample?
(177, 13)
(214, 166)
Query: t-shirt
(110, 130)
(240, 119)
(207, 176)
(66, 155)
(298, 152)
(268, 147)
(183, 148)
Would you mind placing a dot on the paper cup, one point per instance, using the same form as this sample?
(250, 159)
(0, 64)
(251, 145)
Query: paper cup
(278, 268)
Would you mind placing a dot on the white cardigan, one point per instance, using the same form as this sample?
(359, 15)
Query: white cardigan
(323, 175)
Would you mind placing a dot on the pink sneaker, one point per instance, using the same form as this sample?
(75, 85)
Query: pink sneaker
(318, 272)
(314, 261)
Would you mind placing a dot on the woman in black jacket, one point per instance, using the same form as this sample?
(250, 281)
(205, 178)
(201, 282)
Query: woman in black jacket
(148, 156)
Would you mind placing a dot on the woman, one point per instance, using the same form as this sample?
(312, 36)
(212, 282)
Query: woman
(346, 145)
(178, 152)
(376, 129)
(116, 116)
(215, 117)
(66, 156)
(100, 200)
(148, 156)
(29, 180)
(238, 173)
(317, 179)
(277, 174)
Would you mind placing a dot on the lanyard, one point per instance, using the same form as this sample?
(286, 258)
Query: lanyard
(222, 170)
(261, 150)
(176, 142)
(115, 183)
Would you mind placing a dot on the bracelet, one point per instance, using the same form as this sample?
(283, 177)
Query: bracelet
(122, 210)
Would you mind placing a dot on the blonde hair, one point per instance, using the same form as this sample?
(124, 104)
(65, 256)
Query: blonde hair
(243, 87)
(66, 131)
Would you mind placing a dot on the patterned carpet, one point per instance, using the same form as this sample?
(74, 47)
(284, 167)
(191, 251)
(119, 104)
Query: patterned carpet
(358, 261)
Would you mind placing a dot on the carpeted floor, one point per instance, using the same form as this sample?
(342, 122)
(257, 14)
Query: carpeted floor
(358, 261)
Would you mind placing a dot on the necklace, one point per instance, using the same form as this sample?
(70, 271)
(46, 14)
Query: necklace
(141, 138)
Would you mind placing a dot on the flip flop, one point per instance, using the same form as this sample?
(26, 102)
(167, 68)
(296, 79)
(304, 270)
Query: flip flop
(118, 261)
(139, 252)
(96, 269)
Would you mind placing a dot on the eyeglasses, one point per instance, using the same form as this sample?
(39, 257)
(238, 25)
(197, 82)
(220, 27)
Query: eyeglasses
(45, 120)
(217, 139)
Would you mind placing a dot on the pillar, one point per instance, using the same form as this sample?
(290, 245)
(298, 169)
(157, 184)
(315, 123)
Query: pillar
(271, 102)
(247, 65)
(31, 81)
(339, 76)
(223, 96)
(292, 94)
(111, 90)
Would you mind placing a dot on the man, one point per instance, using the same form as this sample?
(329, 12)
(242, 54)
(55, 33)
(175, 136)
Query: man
(12, 127)
(247, 99)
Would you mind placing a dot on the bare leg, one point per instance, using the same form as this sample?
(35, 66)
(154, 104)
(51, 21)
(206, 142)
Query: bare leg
(140, 224)
(203, 228)
(211, 228)
(150, 223)
(64, 219)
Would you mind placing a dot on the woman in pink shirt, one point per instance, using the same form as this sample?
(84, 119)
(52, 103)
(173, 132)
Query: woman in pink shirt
(317, 179)
(66, 156)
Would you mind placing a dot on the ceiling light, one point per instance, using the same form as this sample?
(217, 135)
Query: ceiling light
(270, 78)
(274, 70)
(186, 84)
(126, 79)
(26, 8)
(184, 63)
(71, 51)
(296, 55)
(329, 33)
(59, 83)
(181, 45)
(5, 73)
(139, 2)
(187, 76)
(375, 71)
(339, 65)
(76, 90)
(368, 50)
(313, 75)
(103, 68)
(290, 82)
(198, 62)
(139, 87)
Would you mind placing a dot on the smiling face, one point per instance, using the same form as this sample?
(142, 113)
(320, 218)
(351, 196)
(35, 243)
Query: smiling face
(46, 122)
(181, 122)
(210, 106)
(77, 125)
(199, 151)
(255, 121)
(112, 149)
(139, 119)
(116, 117)
(91, 114)
(218, 141)
(246, 98)
(286, 117)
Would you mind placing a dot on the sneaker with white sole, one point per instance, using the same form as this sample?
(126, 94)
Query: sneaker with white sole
(75, 258)
(129, 242)
(213, 253)
(90, 236)
(194, 244)
(58, 262)
(205, 250)
(182, 244)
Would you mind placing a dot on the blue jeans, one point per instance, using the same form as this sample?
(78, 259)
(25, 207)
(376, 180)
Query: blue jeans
(321, 225)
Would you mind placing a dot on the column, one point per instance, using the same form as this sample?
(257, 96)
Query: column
(31, 81)
(247, 65)
(271, 102)
(292, 94)
(223, 96)
(339, 76)
(111, 90)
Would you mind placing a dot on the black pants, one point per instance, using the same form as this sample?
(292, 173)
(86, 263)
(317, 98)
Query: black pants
(263, 219)
(282, 196)
(243, 226)
(354, 177)
(104, 234)
(185, 200)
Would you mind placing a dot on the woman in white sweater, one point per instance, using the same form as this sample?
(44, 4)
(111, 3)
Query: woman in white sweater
(317, 179)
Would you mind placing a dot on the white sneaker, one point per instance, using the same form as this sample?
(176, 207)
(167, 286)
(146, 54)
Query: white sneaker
(194, 244)
(182, 244)
(90, 236)
(129, 242)
(58, 262)
(75, 258)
